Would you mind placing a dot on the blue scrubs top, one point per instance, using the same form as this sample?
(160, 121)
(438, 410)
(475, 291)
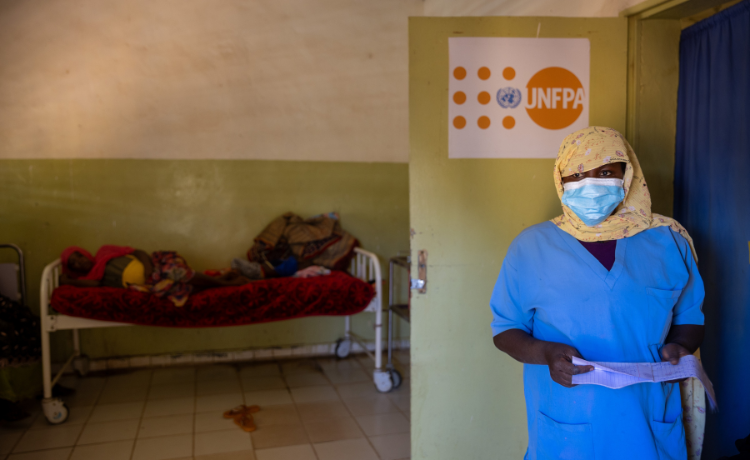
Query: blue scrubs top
(551, 287)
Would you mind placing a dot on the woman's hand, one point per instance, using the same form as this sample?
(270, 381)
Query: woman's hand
(526, 349)
(559, 358)
(672, 352)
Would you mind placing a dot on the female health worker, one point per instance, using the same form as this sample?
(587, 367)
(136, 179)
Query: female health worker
(606, 281)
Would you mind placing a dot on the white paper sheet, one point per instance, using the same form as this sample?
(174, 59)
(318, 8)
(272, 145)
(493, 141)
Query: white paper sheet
(619, 375)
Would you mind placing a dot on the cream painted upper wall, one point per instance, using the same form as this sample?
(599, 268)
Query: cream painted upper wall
(262, 79)
(323, 80)
(563, 8)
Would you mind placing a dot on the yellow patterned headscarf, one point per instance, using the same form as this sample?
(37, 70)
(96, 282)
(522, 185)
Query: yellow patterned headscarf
(589, 149)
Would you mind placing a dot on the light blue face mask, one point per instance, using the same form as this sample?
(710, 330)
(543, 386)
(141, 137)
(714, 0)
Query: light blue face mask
(593, 200)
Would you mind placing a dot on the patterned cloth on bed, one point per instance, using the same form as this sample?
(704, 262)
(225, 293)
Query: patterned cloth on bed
(319, 240)
(169, 278)
(257, 302)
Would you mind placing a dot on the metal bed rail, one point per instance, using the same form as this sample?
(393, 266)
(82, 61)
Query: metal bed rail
(366, 266)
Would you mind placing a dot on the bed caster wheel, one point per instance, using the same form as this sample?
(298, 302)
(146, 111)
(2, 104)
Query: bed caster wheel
(55, 411)
(396, 378)
(343, 347)
(81, 365)
(383, 381)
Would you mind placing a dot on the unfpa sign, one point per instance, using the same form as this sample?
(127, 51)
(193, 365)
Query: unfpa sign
(540, 93)
(556, 98)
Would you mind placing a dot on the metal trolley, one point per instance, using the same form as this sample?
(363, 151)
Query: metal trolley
(13, 277)
(400, 310)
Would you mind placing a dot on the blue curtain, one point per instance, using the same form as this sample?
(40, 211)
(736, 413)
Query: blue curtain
(712, 200)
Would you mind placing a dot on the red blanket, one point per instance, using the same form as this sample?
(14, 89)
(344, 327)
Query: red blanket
(258, 302)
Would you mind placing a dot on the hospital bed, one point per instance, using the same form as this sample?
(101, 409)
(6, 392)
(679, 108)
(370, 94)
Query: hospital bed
(364, 266)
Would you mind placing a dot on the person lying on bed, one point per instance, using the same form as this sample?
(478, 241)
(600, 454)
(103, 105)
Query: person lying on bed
(163, 273)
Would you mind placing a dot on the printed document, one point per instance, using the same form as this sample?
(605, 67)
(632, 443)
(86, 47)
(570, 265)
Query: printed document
(618, 375)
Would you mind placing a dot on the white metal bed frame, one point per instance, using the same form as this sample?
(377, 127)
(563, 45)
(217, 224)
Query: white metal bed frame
(364, 265)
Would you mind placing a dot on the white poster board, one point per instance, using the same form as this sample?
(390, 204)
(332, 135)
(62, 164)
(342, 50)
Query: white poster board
(515, 97)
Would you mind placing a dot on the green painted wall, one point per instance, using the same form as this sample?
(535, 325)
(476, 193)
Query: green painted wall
(209, 211)
(656, 74)
(467, 397)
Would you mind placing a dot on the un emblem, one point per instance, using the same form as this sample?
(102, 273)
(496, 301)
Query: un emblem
(509, 98)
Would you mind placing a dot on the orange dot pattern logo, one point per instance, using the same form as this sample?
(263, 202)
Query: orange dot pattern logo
(554, 98)
(459, 97)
